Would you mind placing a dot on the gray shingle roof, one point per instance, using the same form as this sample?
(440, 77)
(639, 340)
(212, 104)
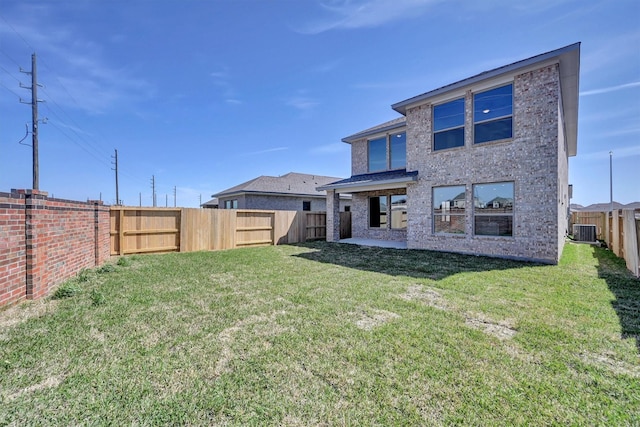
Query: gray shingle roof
(291, 184)
(368, 179)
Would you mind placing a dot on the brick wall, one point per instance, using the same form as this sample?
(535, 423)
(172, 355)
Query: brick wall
(45, 241)
(532, 160)
(13, 265)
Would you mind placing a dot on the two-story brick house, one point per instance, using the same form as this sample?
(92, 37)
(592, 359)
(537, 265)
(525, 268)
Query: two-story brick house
(479, 166)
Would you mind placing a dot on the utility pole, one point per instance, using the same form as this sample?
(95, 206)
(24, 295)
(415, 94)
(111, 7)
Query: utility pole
(34, 119)
(166, 200)
(175, 195)
(140, 195)
(611, 182)
(153, 189)
(115, 162)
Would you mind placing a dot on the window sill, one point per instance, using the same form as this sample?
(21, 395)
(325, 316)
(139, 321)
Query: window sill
(497, 141)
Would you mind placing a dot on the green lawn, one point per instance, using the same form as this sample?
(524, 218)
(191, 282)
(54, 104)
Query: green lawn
(328, 334)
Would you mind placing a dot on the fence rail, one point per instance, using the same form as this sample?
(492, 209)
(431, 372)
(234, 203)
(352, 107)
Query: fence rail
(144, 230)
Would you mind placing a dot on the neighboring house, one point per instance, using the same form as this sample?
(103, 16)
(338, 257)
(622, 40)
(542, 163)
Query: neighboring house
(211, 204)
(482, 164)
(293, 192)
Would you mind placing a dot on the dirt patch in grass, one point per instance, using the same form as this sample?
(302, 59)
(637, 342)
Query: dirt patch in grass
(429, 296)
(608, 362)
(24, 311)
(50, 382)
(502, 330)
(260, 326)
(370, 319)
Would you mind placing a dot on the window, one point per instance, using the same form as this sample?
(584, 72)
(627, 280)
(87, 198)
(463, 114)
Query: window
(378, 154)
(347, 208)
(398, 146)
(449, 209)
(448, 125)
(231, 204)
(493, 114)
(493, 209)
(378, 212)
(395, 144)
(306, 205)
(398, 211)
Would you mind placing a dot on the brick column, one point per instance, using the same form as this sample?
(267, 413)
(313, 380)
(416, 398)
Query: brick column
(36, 242)
(333, 216)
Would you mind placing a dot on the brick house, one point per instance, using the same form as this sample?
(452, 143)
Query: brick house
(291, 192)
(479, 166)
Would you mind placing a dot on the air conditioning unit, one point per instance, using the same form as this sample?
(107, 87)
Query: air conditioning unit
(584, 232)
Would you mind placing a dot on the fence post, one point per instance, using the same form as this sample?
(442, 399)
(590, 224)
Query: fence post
(120, 231)
(35, 241)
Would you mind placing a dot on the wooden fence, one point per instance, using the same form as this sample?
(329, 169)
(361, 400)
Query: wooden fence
(620, 230)
(593, 218)
(141, 230)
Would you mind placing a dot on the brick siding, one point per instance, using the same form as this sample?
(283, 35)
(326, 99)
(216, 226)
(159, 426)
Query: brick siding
(535, 160)
(45, 241)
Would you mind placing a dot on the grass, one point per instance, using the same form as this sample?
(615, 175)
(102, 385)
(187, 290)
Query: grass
(327, 334)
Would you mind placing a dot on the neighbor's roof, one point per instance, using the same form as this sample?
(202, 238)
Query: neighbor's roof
(569, 59)
(291, 184)
(370, 181)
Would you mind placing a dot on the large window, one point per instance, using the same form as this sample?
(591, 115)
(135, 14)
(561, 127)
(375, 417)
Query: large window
(398, 211)
(378, 154)
(449, 209)
(448, 125)
(493, 209)
(493, 114)
(395, 144)
(398, 147)
(378, 212)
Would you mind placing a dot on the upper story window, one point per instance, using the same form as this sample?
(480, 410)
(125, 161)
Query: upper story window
(395, 145)
(306, 205)
(398, 147)
(231, 204)
(493, 114)
(448, 125)
(378, 154)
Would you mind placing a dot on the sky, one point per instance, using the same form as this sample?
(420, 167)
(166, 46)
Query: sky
(204, 95)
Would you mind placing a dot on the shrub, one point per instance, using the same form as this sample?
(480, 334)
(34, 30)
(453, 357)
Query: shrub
(124, 262)
(107, 268)
(66, 290)
(84, 275)
(97, 298)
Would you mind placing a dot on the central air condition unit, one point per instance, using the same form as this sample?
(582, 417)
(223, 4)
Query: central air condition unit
(584, 232)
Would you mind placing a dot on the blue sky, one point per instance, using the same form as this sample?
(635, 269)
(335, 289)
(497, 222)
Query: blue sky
(204, 95)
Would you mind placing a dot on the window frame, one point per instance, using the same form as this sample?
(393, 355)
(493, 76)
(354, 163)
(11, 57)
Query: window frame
(403, 212)
(388, 153)
(510, 214)
(305, 204)
(380, 214)
(475, 122)
(445, 217)
(387, 224)
(462, 126)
